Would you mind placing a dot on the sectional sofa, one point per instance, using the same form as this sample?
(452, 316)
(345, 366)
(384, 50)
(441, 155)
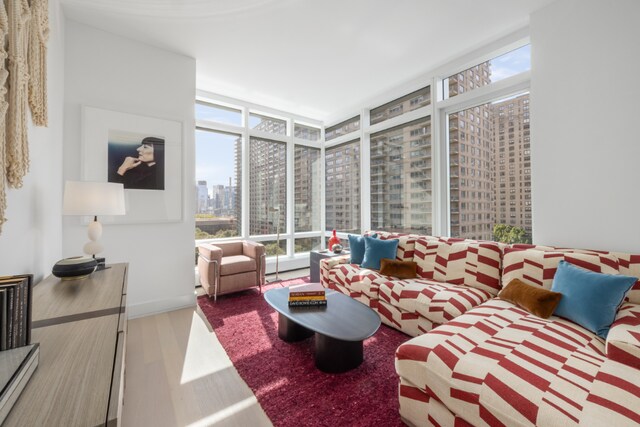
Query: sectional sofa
(478, 360)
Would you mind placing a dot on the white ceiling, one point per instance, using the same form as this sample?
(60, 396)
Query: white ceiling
(317, 58)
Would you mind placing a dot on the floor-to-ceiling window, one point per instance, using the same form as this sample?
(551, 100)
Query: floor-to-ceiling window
(258, 176)
(451, 157)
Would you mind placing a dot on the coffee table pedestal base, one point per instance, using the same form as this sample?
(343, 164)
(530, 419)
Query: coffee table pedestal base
(335, 356)
(290, 331)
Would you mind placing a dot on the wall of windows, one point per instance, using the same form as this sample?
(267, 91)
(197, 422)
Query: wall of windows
(450, 157)
(447, 154)
(258, 174)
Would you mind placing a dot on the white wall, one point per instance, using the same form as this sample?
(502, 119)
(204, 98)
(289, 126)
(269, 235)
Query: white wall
(110, 72)
(31, 239)
(585, 105)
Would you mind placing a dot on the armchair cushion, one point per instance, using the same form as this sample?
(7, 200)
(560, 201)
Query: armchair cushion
(623, 341)
(230, 248)
(235, 264)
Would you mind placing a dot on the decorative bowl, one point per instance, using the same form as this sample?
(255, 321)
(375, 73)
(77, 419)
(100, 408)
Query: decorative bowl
(74, 268)
(337, 248)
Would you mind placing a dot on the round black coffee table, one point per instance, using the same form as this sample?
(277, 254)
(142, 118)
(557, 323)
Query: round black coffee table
(340, 327)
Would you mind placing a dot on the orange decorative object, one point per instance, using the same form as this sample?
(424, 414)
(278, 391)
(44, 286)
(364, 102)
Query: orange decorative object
(333, 240)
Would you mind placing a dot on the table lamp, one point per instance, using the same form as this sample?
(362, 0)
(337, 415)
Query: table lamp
(93, 199)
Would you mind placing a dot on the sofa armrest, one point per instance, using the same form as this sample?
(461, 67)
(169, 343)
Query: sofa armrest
(327, 264)
(253, 250)
(623, 340)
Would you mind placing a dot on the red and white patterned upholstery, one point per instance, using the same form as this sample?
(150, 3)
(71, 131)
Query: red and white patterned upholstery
(623, 340)
(536, 267)
(630, 266)
(498, 365)
(327, 264)
(461, 263)
(436, 301)
(356, 281)
(410, 323)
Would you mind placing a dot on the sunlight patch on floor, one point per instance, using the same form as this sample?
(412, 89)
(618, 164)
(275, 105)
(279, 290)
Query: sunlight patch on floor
(225, 413)
(197, 363)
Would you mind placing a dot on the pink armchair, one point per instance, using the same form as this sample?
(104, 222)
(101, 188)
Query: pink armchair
(231, 266)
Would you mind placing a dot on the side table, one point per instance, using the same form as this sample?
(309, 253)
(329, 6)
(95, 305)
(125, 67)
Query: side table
(315, 257)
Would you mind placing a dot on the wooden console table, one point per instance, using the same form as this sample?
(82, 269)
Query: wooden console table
(81, 326)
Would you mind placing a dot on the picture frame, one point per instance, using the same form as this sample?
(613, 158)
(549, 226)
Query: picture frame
(144, 153)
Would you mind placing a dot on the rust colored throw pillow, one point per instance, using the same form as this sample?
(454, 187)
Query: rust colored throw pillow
(535, 300)
(399, 269)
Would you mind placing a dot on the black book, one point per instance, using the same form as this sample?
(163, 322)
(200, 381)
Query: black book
(3, 319)
(16, 310)
(308, 303)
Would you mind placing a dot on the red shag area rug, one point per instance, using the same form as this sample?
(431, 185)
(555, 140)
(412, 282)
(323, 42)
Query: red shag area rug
(283, 376)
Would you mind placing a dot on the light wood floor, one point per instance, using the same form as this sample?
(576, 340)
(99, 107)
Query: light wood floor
(178, 374)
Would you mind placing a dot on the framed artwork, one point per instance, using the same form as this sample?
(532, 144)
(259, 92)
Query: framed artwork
(144, 154)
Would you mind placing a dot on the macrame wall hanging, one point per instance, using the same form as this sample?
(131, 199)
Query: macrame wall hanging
(24, 32)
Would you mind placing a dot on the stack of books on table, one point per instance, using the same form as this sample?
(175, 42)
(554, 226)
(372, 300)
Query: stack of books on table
(307, 295)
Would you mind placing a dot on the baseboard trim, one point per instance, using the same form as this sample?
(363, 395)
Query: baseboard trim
(149, 308)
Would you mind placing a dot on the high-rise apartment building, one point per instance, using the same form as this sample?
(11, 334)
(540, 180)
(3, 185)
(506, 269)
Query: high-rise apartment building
(202, 197)
(307, 188)
(267, 186)
(401, 178)
(512, 158)
(471, 155)
(342, 187)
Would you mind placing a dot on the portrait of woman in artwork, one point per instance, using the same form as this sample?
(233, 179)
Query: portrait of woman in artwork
(139, 168)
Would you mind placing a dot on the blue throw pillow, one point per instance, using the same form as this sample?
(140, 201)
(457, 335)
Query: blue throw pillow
(356, 246)
(589, 299)
(375, 250)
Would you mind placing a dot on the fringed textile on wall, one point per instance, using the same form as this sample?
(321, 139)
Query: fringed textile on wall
(17, 145)
(4, 29)
(37, 60)
(24, 32)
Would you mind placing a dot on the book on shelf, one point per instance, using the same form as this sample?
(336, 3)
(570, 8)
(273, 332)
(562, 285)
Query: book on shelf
(306, 289)
(15, 311)
(308, 303)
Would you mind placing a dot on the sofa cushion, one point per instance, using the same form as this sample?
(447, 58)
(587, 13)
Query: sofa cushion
(460, 263)
(399, 269)
(537, 268)
(356, 279)
(375, 250)
(534, 299)
(438, 302)
(589, 299)
(499, 365)
(623, 341)
(356, 247)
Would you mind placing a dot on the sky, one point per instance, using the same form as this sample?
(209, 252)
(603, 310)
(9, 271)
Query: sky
(215, 157)
(511, 63)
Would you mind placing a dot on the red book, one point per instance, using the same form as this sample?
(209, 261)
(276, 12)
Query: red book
(306, 290)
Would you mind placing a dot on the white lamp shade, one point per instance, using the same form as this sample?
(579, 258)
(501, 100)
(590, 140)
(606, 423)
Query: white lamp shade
(93, 198)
